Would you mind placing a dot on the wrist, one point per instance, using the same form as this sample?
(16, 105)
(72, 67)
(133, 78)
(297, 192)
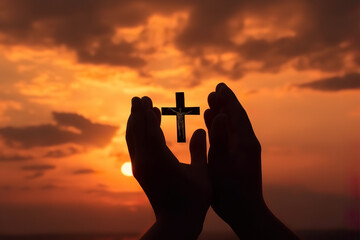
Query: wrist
(250, 218)
(173, 228)
(260, 223)
(181, 228)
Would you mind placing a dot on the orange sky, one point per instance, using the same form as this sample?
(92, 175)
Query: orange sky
(68, 71)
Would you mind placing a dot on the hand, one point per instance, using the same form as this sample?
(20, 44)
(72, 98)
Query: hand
(235, 170)
(179, 193)
(234, 155)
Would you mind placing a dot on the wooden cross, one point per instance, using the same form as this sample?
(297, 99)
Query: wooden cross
(180, 111)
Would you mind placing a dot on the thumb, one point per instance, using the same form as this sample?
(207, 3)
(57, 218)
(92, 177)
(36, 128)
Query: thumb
(198, 148)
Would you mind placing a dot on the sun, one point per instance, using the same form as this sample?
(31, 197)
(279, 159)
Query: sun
(126, 169)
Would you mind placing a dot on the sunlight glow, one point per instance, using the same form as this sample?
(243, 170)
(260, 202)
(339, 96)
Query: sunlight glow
(126, 169)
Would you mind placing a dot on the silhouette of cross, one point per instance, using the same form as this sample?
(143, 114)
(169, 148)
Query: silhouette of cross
(180, 111)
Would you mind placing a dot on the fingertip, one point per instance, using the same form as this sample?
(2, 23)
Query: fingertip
(135, 104)
(212, 100)
(198, 139)
(157, 114)
(146, 102)
(198, 147)
(220, 86)
(201, 133)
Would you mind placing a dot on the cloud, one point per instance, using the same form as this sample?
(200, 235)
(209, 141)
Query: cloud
(69, 128)
(35, 175)
(84, 171)
(309, 34)
(86, 27)
(22, 188)
(349, 81)
(49, 187)
(127, 198)
(38, 170)
(38, 167)
(15, 158)
(59, 153)
(319, 37)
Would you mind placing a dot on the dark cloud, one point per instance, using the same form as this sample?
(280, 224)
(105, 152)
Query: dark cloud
(38, 167)
(56, 154)
(85, 26)
(347, 82)
(35, 175)
(112, 54)
(15, 158)
(69, 128)
(10, 188)
(135, 197)
(49, 187)
(59, 153)
(20, 188)
(38, 170)
(100, 185)
(6, 188)
(324, 31)
(84, 171)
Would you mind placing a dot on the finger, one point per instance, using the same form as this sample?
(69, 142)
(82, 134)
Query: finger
(208, 117)
(227, 96)
(198, 149)
(138, 126)
(219, 139)
(155, 138)
(212, 101)
(157, 114)
(233, 109)
(147, 103)
(135, 104)
(130, 137)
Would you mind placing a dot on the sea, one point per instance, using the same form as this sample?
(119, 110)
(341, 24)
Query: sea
(304, 235)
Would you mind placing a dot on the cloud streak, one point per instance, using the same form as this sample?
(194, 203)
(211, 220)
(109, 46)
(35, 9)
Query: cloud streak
(69, 128)
(59, 153)
(349, 81)
(15, 158)
(84, 171)
(37, 170)
(38, 167)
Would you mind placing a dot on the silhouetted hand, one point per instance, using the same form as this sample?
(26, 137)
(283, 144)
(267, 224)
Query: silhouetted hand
(235, 170)
(179, 193)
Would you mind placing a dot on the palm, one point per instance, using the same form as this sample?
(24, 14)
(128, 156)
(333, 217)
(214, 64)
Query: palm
(180, 188)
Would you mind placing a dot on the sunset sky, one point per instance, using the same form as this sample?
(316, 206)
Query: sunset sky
(68, 71)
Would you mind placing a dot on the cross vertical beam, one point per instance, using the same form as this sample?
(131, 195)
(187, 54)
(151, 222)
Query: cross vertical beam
(180, 111)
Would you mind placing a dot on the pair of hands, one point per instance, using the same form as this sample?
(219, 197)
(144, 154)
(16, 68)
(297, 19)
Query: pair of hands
(180, 194)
